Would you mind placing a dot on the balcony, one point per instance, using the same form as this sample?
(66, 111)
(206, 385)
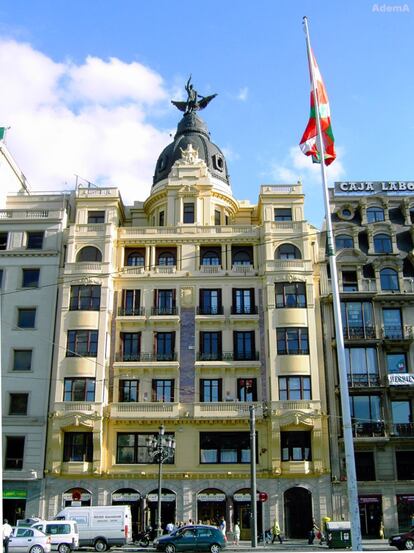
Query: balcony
(143, 410)
(228, 356)
(217, 310)
(240, 269)
(144, 357)
(88, 407)
(131, 312)
(397, 333)
(30, 214)
(83, 267)
(289, 264)
(222, 409)
(368, 429)
(244, 310)
(137, 233)
(163, 311)
(211, 269)
(402, 429)
(362, 380)
(367, 332)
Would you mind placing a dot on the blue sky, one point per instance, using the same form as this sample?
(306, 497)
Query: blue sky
(86, 88)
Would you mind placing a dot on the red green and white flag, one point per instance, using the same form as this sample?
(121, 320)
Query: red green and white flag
(308, 143)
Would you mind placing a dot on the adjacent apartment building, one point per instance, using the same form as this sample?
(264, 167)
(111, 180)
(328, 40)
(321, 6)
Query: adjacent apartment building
(184, 310)
(373, 227)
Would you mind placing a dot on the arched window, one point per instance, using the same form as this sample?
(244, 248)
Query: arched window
(135, 260)
(166, 259)
(375, 214)
(89, 253)
(210, 258)
(389, 279)
(242, 258)
(382, 243)
(288, 251)
(343, 241)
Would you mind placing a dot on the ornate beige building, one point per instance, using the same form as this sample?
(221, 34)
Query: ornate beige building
(184, 310)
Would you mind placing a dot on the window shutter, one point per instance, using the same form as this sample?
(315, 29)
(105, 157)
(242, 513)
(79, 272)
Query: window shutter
(252, 299)
(220, 389)
(174, 297)
(173, 342)
(155, 298)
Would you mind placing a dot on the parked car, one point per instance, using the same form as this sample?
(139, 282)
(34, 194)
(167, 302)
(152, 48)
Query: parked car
(403, 541)
(64, 534)
(29, 540)
(192, 538)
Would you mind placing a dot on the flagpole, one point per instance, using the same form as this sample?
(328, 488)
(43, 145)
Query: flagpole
(340, 347)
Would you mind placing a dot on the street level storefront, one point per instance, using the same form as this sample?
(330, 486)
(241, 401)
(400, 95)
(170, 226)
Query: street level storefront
(211, 506)
(370, 513)
(22, 499)
(131, 497)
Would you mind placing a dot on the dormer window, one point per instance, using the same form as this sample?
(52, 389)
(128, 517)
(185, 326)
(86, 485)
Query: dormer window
(218, 163)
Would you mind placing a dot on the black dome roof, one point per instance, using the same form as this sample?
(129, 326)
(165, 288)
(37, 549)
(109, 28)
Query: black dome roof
(192, 130)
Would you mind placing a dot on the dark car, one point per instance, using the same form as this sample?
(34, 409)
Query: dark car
(404, 540)
(192, 538)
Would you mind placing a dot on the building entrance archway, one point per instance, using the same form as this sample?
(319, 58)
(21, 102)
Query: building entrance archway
(168, 508)
(242, 510)
(211, 506)
(77, 497)
(131, 497)
(298, 512)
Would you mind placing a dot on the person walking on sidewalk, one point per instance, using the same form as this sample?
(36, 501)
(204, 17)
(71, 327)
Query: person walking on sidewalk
(276, 533)
(236, 533)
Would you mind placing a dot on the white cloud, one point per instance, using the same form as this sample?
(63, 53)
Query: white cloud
(243, 93)
(297, 166)
(88, 119)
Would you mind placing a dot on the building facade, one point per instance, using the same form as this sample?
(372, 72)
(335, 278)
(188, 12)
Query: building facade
(373, 235)
(31, 248)
(185, 310)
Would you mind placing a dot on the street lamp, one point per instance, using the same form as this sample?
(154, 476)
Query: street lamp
(160, 448)
(253, 490)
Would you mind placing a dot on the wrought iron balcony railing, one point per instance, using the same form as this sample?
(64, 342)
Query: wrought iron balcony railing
(216, 310)
(368, 429)
(359, 332)
(244, 310)
(228, 356)
(145, 357)
(131, 311)
(404, 429)
(162, 311)
(357, 380)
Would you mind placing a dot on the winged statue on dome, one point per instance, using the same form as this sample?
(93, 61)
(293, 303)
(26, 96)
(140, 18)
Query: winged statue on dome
(195, 101)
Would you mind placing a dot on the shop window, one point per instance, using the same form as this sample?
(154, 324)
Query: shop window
(14, 452)
(79, 389)
(296, 446)
(78, 446)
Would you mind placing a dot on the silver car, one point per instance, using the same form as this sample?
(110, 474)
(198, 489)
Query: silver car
(29, 540)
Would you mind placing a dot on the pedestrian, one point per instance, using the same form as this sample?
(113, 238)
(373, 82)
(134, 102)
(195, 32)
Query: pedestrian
(276, 533)
(170, 527)
(7, 530)
(236, 533)
(314, 531)
(222, 526)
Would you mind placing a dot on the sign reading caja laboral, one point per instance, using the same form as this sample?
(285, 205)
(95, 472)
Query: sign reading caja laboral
(374, 187)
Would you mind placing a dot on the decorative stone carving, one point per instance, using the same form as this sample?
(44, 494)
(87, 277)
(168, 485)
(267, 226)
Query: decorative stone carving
(190, 155)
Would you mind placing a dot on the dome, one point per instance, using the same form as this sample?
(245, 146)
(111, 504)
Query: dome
(192, 130)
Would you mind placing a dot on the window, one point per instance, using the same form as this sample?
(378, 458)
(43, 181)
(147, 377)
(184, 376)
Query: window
(296, 446)
(89, 254)
(294, 387)
(402, 418)
(349, 281)
(210, 389)
(243, 301)
(163, 390)
(375, 214)
(242, 258)
(14, 452)
(132, 448)
(393, 328)
(78, 446)
(225, 447)
(389, 279)
(290, 294)
(382, 243)
(82, 343)
(131, 346)
(288, 251)
(217, 218)
(26, 317)
(210, 346)
(96, 217)
(166, 259)
(188, 213)
(283, 214)
(3, 240)
(85, 297)
(244, 345)
(79, 389)
(366, 415)
(161, 219)
(165, 346)
(358, 320)
(131, 302)
(405, 465)
(247, 389)
(35, 240)
(210, 302)
(343, 241)
(18, 403)
(164, 302)
(135, 260)
(292, 341)
(30, 278)
(210, 258)
(362, 366)
(22, 359)
(396, 363)
(365, 465)
(128, 390)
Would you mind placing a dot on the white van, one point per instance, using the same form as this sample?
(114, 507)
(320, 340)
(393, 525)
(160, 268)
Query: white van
(63, 534)
(101, 527)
